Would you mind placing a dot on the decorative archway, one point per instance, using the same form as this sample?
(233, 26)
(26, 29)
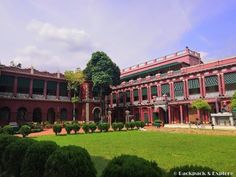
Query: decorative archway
(51, 115)
(63, 114)
(5, 115)
(37, 115)
(96, 114)
(21, 114)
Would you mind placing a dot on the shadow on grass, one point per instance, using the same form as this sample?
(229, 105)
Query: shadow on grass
(100, 163)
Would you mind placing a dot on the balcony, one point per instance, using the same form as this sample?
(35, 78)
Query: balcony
(51, 97)
(6, 94)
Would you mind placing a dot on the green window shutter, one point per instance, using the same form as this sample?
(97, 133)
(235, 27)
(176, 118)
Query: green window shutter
(63, 89)
(6, 80)
(135, 92)
(38, 84)
(165, 89)
(211, 81)
(230, 78)
(51, 85)
(114, 97)
(193, 84)
(179, 88)
(121, 96)
(154, 90)
(144, 91)
(127, 94)
(23, 82)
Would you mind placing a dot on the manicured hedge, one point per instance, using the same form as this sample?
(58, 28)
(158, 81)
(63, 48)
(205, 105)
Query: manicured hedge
(68, 127)
(114, 126)
(120, 126)
(102, 126)
(70, 161)
(131, 166)
(13, 156)
(5, 140)
(36, 157)
(7, 129)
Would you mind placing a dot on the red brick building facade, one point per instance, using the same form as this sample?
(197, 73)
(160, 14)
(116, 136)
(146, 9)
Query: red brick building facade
(164, 88)
(31, 95)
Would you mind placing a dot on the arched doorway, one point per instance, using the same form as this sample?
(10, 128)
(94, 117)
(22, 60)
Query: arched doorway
(63, 114)
(5, 115)
(51, 115)
(21, 114)
(37, 115)
(96, 114)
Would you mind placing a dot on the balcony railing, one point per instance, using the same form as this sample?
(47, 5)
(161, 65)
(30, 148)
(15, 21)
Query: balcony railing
(22, 95)
(64, 98)
(6, 94)
(38, 97)
(212, 95)
(179, 97)
(195, 96)
(229, 93)
(51, 97)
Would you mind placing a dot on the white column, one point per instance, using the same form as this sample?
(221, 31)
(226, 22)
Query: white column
(87, 112)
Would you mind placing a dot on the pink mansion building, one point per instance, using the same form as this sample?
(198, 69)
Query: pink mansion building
(164, 88)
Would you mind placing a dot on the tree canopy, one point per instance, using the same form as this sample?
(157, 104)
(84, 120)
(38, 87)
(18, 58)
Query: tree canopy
(103, 72)
(201, 104)
(74, 79)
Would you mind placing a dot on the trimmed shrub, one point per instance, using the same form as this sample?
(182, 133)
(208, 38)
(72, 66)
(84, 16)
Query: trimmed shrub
(142, 124)
(76, 162)
(120, 126)
(1, 130)
(85, 127)
(5, 140)
(106, 127)
(132, 125)
(13, 156)
(68, 128)
(100, 126)
(157, 123)
(36, 157)
(188, 171)
(57, 128)
(92, 127)
(75, 127)
(138, 124)
(7, 129)
(114, 126)
(25, 130)
(127, 125)
(131, 166)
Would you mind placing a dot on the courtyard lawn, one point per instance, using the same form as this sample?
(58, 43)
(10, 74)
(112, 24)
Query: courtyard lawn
(167, 149)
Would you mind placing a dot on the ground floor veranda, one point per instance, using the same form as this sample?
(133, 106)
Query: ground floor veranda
(171, 112)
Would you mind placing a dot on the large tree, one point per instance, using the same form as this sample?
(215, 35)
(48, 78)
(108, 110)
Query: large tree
(104, 73)
(233, 101)
(74, 80)
(201, 105)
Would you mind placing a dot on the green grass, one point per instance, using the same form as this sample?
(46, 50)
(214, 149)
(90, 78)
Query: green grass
(167, 149)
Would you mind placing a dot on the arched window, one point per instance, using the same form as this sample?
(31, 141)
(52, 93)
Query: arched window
(21, 114)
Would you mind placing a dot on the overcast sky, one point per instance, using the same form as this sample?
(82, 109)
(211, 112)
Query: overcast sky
(58, 35)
